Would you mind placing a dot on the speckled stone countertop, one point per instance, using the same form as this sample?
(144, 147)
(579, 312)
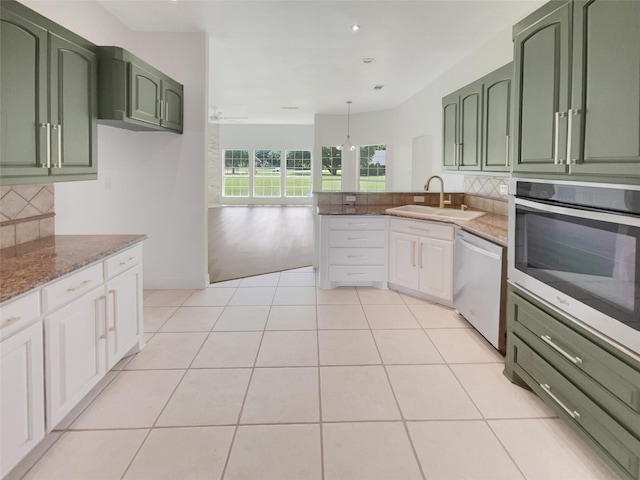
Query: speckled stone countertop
(490, 226)
(32, 264)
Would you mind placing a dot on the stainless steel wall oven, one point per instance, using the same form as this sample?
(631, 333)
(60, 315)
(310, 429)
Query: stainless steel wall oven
(577, 246)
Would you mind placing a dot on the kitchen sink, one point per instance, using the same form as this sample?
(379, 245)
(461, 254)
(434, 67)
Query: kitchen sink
(434, 213)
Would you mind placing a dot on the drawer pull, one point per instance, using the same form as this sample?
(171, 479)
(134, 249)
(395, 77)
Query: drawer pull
(572, 413)
(358, 224)
(419, 229)
(124, 262)
(354, 274)
(362, 239)
(356, 256)
(548, 341)
(78, 287)
(9, 321)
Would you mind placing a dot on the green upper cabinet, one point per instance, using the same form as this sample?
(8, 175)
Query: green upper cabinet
(136, 96)
(577, 91)
(496, 123)
(48, 88)
(462, 128)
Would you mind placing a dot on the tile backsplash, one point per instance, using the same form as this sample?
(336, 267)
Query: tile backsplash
(26, 213)
(485, 186)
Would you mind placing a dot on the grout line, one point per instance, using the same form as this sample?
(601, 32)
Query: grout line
(321, 428)
(135, 455)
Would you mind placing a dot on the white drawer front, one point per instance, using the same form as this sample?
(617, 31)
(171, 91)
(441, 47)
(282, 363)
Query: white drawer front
(367, 238)
(17, 314)
(423, 228)
(350, 222)
(70, 287)
(356, 273)
(357, 256)
(123, 261)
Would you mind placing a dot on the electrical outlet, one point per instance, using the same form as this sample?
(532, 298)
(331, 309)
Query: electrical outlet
(418, 199)
(504, 189)
(350, 198)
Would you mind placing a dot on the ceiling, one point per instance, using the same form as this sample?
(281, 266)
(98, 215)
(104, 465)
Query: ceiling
(281, 62)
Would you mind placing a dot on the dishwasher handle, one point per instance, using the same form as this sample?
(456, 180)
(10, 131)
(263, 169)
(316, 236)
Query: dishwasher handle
(479, 250)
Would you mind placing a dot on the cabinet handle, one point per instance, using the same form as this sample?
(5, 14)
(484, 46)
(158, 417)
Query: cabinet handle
(115, 311)
(10, 321)
(48, 127)
(506, 151)
(355, 274)
(58, 129)
(363, 239)
(556, 138)
(124, 262)
(357, 224)
(572, 112)
(419, 229)
(356, 256)
(413, 253)
(572, 413)
(103, 298)
(77, 287)
(420, 255)
(159, 109)
(548, 341)
(166, 110)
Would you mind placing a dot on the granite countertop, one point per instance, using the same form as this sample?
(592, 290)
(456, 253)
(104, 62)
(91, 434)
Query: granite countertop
(491, 226)
(32, 264)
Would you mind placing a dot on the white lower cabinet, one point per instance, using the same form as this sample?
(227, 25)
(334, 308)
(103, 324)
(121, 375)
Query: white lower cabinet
(74, 353)
(21, 395)
(421, 258)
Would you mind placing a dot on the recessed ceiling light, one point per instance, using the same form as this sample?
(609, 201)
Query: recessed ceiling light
(355, 28)
(368, 60)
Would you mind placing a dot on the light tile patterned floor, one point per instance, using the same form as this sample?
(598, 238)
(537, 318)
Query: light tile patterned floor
(268, 378)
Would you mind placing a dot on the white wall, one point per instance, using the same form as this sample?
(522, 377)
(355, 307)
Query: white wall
(366, 129)
(421, 115)
(263, 137)
(148, 182)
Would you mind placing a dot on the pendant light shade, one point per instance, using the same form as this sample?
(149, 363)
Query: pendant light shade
(347, 145)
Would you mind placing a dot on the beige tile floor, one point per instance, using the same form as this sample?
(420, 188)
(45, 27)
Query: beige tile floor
(268, 378)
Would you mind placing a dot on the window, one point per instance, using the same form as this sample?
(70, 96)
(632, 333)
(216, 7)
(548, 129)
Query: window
(266, 173)
(298, 174)
(372, 168)
(331, 169)
(236, 173)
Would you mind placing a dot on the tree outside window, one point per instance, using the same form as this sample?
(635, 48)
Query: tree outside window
(331, 169)
(236, 173)
(298, 173)
(373, 168)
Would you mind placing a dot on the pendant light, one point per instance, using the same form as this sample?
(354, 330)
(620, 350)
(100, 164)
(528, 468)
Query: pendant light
(347, 145)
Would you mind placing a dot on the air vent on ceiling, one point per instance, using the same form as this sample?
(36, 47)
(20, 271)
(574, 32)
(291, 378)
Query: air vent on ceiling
(378, 87)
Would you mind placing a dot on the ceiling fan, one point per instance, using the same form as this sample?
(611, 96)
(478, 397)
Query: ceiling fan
(216, 116)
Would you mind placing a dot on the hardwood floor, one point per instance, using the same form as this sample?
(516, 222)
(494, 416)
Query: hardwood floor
(252, 240)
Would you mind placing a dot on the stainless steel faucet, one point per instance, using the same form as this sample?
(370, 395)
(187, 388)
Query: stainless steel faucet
(443, 202)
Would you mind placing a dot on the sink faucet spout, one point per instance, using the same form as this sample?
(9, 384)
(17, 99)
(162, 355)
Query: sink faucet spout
(442, 200)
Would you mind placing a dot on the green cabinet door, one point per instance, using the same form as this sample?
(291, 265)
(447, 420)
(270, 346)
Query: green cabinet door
(605, 104)
(23, 96)
(173, 105)
(146, 94)
(73, 98)
(496, 124)
(541, 81)
(450, 132)
(470, 129)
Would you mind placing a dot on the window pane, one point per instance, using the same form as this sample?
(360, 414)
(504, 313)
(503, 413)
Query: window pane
(235, 173)
(267, 176)
(372, 168)
(331, 169)
(298, 174)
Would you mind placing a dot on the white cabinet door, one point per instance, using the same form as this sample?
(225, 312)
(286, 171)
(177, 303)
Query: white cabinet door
(124, 307)
(75, 353)
(435, 262)
(21, 395)
(402, 260)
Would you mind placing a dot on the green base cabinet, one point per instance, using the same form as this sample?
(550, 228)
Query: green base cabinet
(48, 92)
(136, 96)
(577, 91)
(588, 382)
(476, 124)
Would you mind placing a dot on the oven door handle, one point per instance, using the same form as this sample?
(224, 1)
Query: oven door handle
(578, 213)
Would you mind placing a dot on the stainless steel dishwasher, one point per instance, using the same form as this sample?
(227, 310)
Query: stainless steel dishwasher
(479, 286)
